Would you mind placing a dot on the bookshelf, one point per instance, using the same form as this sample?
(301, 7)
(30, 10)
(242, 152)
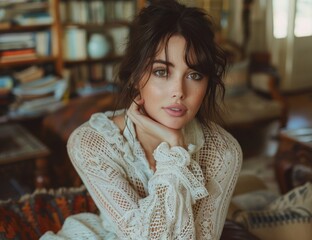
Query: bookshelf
(92, 64)
(16, 26)
(45, 26)
(31, 63)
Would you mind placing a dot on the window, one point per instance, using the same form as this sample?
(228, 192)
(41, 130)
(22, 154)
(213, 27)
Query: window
(303, 20)
(280, 18)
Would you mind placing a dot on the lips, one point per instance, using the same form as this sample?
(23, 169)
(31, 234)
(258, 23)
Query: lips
(175, 110)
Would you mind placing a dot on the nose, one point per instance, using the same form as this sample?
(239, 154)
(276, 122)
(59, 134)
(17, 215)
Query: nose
(178, 89)
(178, 95)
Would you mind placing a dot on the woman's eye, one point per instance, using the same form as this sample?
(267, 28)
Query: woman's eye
(160, 72)
(195, 76)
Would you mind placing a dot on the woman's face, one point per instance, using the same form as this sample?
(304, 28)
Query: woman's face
(173, 93)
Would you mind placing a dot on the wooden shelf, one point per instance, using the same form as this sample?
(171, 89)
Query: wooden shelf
(28, 28)
(103, 26)
(27, 62)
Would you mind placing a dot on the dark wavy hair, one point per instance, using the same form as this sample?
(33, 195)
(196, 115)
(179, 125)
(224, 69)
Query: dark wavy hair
(154, 25)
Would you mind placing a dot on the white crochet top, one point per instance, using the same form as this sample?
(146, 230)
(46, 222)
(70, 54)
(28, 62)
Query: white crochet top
(187, 197)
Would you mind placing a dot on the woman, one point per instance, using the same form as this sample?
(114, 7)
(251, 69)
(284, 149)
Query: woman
(160, 168)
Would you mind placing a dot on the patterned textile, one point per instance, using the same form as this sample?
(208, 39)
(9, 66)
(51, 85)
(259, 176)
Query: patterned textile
(33, 215)
(288, 217)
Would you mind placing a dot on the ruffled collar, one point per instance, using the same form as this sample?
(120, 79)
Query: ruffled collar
(102, 122)
(133, 151)
(192, 132)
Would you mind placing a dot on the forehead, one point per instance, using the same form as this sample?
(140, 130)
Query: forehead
(175, 47)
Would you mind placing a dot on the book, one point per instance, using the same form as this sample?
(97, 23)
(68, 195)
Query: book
(17, 45)
(12, 41)
(45, 104)
(43, 43)
(29, 74)
(17, 55)
(40, 86)
(98, 12)
(75, 43)
(39, 97)
(30, 6)
(6, 85)
(17, 52)
(119, 36)
(25, 57)
(128, 11)
(39, 41)
(33, 18)
(16, 37)
(5, 24)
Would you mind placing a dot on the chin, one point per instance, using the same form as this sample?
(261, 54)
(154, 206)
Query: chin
(174, 125)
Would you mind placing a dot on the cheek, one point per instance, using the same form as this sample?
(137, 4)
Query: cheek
(197, 102)
(150, 91)
(199, 94)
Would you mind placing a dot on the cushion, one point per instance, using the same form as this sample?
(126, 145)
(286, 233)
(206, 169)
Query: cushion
(287, 217)
(34, 214)
(250, 107)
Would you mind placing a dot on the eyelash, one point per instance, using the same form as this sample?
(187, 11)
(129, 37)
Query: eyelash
(157, 71)
(198, 76)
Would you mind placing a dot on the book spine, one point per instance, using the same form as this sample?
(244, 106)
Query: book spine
(43, 43)
(75, 43)
(17, 52)
(16, 37)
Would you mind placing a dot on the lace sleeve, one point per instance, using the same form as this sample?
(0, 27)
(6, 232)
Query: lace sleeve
(164, 214)
(221, 158)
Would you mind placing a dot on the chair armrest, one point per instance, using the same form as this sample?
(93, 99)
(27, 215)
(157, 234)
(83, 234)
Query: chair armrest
(265, 82)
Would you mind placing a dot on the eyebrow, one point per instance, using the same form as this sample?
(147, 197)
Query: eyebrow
(163, 62)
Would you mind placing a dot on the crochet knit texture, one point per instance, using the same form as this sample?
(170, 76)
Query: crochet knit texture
(187, 197)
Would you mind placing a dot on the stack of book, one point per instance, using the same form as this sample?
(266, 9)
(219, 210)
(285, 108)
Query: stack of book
(29, 74)
(25, 12)
(24, 46)
(37, 93)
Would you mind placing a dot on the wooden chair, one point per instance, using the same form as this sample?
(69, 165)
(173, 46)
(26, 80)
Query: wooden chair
(253, 97)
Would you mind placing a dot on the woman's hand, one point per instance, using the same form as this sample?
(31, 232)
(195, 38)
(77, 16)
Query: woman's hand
(149, 126)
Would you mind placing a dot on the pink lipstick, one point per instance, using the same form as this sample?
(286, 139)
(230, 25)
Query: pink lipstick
(175, 110)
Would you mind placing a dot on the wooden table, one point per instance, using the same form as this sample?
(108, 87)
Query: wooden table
(21, 151)
(58, 126)
(293, 160)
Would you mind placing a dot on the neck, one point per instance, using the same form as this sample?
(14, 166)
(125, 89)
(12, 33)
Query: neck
(148, 142)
